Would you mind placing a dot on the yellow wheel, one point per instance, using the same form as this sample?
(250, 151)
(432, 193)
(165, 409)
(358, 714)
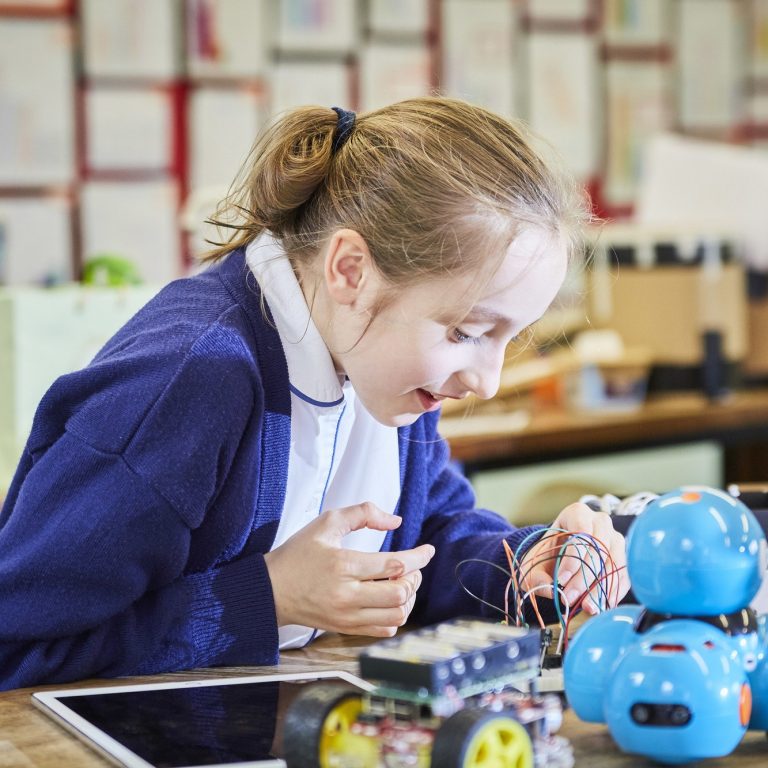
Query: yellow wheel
(336, 738)
(317, 728)
(477, 738)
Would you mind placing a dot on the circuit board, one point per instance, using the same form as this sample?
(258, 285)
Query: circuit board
(465, 655)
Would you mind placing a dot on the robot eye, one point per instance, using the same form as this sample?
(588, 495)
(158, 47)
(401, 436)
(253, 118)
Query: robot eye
(750, 662)
(647, 713)
(679, 715)
(640, 713)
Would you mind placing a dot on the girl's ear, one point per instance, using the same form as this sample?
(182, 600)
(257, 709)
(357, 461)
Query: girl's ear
(350, 274)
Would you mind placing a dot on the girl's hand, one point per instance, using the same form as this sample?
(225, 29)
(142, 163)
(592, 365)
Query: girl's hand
(317, 583)
(575, 579)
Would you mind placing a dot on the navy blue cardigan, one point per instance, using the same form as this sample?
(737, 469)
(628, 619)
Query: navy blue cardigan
(133, 536)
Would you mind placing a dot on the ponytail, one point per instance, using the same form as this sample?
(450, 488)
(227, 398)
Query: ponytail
(284, 169)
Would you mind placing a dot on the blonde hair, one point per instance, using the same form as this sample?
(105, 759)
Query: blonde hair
(433, 185)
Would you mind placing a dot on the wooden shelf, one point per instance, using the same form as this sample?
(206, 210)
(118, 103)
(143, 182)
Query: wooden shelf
(739, 420)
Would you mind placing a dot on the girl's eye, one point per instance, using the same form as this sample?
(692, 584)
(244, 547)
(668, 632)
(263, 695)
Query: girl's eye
(463, 338)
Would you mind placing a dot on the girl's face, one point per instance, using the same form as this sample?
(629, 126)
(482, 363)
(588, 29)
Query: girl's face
(422, 347)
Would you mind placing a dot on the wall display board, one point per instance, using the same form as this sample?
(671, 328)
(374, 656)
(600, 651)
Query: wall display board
(638, 106)
(393, 72)
(480, 53)
(636, 22)
(296, 82)
(155, 104)
(562, 102)
(711, 62)
(228, 39)
(37, 126)
(128, 129)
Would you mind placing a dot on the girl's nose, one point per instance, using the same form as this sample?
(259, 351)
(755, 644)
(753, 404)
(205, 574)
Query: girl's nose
(483, 377)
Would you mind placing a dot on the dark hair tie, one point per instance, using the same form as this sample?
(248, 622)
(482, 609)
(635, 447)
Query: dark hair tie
(343, 128)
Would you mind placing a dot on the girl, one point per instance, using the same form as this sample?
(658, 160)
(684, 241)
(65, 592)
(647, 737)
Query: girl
(254, 457)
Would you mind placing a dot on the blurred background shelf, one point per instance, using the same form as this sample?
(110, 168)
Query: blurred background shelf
(528, 465)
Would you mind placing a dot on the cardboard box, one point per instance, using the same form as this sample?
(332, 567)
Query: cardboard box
(756, 363)
(664, 291)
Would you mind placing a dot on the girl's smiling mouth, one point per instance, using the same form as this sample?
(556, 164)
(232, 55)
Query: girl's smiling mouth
(429, 402)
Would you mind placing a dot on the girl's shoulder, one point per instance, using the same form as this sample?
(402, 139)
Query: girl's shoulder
(194, 350)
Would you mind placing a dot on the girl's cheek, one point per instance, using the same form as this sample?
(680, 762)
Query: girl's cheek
(444, 366)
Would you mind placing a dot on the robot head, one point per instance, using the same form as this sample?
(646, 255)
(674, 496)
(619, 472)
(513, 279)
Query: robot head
(591, 655)
(696, 551)
(679, 693)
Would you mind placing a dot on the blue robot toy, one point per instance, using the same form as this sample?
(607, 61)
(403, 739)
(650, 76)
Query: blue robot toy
(674, 678)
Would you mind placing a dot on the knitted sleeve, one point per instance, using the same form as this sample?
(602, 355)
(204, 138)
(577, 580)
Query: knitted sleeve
(96, 545)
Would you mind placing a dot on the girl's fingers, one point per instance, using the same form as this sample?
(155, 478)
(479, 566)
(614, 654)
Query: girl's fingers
(539, 564)
(388, 593)
(611, 574)
(337, 523)
(370, 631)
(593, 552)
(379, 617)
(365, 566)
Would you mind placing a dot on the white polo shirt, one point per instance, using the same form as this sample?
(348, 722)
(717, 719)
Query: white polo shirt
(339, 454)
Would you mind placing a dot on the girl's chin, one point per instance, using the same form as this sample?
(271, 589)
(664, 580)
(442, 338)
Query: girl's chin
(406, 419)
(395, 419)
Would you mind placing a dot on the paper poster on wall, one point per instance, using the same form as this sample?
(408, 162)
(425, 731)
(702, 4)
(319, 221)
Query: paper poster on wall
(128, 129)
(134, 220)
(398, 16)
(35, 240)
(638, 105)
(563, 102)
(296, 83)
(318, 25)
(131, 38)
(712, 64)
(37, 129)
(228, 38)
(479, 52)
(54, 6)
(758, 34)
(561, 10)
(223, 124)
(390, 72)
(636, 22)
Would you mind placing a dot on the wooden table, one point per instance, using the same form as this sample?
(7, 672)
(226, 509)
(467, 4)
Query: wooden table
(29, 739)
(739, 422)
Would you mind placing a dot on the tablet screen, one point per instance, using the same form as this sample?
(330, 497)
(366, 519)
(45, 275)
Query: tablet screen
(234, 721)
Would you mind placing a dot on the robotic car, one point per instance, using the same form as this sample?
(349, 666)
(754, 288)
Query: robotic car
(459, 694)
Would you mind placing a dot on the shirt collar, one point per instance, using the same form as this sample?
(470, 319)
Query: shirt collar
(311, 371)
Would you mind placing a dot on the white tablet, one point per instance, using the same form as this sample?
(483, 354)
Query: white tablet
(212, 722)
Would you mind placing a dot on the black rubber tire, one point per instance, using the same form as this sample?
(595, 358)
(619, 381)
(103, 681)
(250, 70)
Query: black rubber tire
(305, 718)
(453, 738)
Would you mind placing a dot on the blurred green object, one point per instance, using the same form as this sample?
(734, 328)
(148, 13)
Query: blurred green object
(107, 269)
